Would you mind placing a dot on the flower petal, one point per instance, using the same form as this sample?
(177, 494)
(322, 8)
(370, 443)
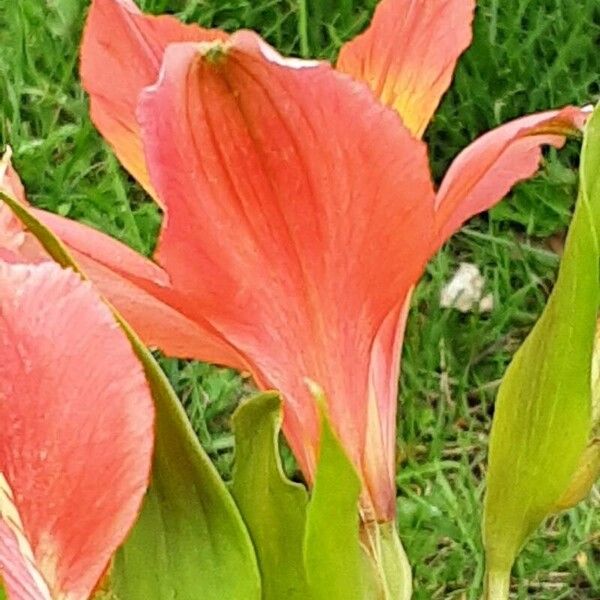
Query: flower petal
(77, 425)
(103, 248)
(141, 291)
(157, 323)
(408, 54)
(121, 54)
(292, 195)
(484, 172)
(17, 563)
(380, 446)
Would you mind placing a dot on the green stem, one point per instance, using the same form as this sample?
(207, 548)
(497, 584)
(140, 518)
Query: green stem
(303, 28)
(497, 585)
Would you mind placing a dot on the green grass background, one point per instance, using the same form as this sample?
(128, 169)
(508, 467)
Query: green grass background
(527, 55)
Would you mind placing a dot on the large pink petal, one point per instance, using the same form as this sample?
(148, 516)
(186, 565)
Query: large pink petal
(77, 428)
(299, 213)
(485, 171)
(408, 54)
(121, 53)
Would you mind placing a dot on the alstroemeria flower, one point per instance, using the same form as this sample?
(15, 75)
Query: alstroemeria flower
(299, 207)
(77, 431)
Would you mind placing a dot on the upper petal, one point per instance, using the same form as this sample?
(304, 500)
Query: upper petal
(121, 53)
(408, 54)
(484, 172)
(77, 430)
(299, 211)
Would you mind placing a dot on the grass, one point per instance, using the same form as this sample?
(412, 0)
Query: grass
(526, 56)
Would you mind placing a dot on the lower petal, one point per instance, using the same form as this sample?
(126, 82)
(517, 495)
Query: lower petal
(157, 323)
(141, 291)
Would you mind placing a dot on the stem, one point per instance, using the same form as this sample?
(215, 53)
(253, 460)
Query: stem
(497, 585)
(303, 28)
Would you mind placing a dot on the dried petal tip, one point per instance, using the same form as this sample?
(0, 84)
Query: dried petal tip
(570, 120)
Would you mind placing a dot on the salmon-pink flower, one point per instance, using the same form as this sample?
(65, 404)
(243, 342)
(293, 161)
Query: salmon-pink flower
(77, 431)
(299, 207)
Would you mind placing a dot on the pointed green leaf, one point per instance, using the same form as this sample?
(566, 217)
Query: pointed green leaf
(189, 541)
(189, 524)
(273, 507)
(332, 553)
(543, 411)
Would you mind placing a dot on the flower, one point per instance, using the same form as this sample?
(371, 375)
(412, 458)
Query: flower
(77, 433)
(299, 207)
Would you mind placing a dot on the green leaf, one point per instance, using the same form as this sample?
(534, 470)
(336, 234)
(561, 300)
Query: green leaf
(332, 553)
(189, 541)
(275, 511)
(189, 524)
(543, 411)
(273, 507)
